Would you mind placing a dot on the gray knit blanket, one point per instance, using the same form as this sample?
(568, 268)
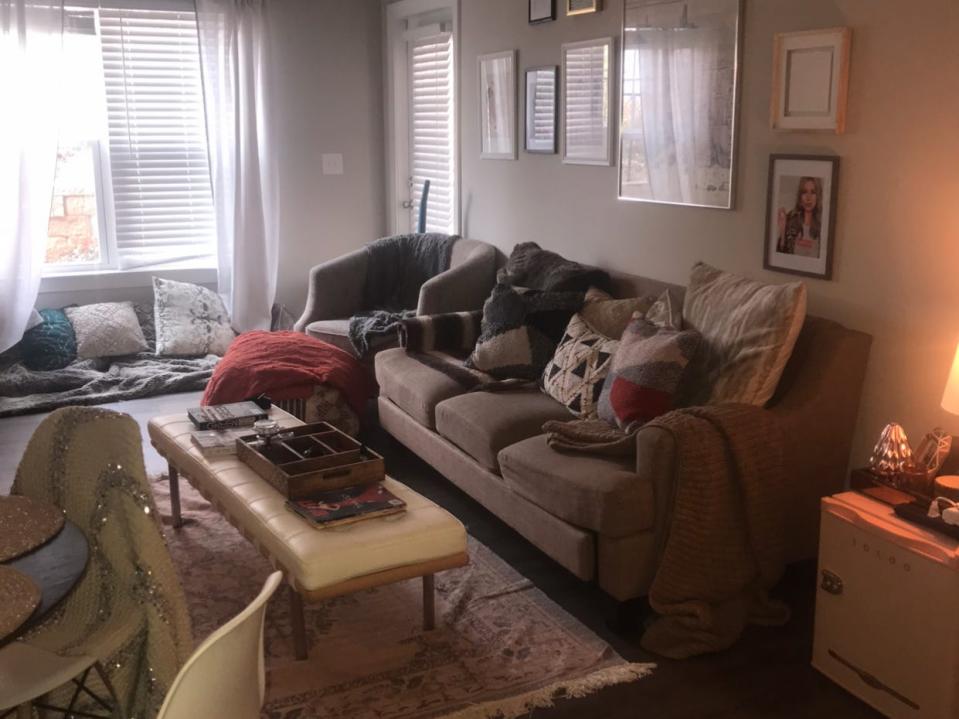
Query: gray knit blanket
(397, 268)
(86, 382)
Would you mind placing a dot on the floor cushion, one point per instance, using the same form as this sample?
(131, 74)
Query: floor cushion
(106, 329)
(483, 423)
(190, 320)
(590, 491)
(51, 344)
(413, 386)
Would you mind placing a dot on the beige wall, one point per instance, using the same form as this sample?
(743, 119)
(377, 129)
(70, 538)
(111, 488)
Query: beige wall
(329, 99)
(896, 270)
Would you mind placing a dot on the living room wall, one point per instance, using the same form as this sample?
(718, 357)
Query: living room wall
(897, 238)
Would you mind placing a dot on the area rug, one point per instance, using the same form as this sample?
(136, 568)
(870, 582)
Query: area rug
(501, 647)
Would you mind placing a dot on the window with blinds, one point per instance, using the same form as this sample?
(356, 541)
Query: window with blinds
(162, 200)
(432, 137)
(586, 82)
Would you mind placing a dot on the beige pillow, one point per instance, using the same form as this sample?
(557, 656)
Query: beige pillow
(748, 328)
(610, 316)
(106, 329)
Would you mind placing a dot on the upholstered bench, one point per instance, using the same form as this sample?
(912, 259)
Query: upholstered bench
(317, 563)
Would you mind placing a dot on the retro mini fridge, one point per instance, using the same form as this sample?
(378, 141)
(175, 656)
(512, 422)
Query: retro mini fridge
(887, 609)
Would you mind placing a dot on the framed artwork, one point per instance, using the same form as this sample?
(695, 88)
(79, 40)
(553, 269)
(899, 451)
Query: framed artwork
(810, 80)
(801, 214)
(583, 7)
(497, 85)
(541, 11)
(542, 99)
(587, 119)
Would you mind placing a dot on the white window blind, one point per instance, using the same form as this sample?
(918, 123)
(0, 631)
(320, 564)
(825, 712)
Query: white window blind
(431, 130)
(586, 79)
(158, 151)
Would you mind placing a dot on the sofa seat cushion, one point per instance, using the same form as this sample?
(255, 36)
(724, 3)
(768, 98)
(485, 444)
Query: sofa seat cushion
(590, 491)
(337, 333)
(413, 386)
(483, 423)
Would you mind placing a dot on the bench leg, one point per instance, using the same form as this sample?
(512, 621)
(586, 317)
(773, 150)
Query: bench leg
(175, 495)
(300, 650)
(429, 610)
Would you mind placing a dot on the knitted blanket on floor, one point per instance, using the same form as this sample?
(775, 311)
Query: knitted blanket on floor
(725, 545)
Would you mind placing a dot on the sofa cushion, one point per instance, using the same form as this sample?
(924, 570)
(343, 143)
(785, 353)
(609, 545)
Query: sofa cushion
(413, 386)
(482, 423)
(591, 491)
(749, 330)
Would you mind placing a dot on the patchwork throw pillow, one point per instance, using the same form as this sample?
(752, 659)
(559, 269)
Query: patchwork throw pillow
(575, 374)
(749, 330)
(646, 373)
(190, 319)
(51, 344)
(107, 329)
(520, 330)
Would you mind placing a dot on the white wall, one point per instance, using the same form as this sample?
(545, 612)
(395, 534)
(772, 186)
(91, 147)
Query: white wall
(897, 238)
(329, 100)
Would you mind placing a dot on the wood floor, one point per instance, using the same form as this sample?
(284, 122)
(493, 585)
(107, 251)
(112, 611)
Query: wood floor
(767, 674)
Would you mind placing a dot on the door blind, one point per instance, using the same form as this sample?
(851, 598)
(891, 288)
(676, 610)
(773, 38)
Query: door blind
(431, 130)
(158, 150)
(587, 97)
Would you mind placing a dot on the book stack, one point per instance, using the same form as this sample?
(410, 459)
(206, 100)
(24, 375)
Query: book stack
(218, 442)
(224, 416)
(346, 506)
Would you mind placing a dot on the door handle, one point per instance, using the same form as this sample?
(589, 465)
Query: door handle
(407, 204)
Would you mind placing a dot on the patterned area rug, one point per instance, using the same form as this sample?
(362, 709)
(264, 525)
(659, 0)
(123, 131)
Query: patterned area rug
(501, 647)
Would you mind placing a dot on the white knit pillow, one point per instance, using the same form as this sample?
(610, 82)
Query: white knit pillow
(190, 319)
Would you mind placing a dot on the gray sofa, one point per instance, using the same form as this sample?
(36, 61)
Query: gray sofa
(336, 290)
(604, 518)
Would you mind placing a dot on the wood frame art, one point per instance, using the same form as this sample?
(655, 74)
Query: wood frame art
(811, 80)
(801, 198)
(604, 158)
(583, 7)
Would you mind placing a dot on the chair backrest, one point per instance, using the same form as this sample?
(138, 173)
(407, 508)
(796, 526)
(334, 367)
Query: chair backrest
(225, 676)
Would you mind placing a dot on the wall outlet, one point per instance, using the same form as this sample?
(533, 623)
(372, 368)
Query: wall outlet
(333, 164)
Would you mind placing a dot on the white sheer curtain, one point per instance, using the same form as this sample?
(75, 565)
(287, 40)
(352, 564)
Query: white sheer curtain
(235, 58)
(31, 43)
(677, 70)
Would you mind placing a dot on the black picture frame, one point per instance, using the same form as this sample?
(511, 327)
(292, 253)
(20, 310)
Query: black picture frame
(781, 248)
(542, 18)
(527, 145)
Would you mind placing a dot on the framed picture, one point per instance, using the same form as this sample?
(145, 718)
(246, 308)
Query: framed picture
(541, 11)
(497, 85)
(587, 119)
(583, 7)
(810, 80)
(542, 99)
(801, 214)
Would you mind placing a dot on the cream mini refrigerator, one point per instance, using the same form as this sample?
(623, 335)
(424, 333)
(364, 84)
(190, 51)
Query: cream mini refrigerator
(887, 609)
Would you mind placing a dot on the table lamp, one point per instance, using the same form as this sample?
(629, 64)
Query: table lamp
(948, 485)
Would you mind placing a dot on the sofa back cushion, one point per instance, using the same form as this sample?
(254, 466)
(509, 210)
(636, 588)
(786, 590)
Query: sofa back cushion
(749, 330)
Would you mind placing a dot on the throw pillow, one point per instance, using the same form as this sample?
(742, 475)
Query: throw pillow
(646, 373)
(749, 330)
(575, 374)
(51, 344)
(190, 319)
(520, 330)
(610, 316)
(107, 329)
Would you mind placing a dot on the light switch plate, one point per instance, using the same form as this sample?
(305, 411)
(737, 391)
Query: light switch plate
(332, 164)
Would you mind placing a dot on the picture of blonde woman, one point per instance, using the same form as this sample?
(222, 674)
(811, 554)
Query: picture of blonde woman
(800, 228)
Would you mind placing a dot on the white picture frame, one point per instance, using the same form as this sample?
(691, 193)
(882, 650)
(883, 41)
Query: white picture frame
(811, 80)
(498, 115)
(540, 109)
(587, 140)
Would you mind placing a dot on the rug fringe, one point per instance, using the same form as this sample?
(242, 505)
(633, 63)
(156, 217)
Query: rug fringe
(544, 698)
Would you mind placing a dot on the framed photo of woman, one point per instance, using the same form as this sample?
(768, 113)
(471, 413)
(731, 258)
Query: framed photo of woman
(801, 214)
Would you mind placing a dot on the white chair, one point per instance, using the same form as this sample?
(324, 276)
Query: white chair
(225, 676)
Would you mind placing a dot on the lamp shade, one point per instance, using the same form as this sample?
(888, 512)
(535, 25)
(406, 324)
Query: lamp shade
(950, 398)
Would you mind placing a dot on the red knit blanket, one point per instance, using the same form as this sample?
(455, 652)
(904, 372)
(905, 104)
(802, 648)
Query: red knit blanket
(286, 365)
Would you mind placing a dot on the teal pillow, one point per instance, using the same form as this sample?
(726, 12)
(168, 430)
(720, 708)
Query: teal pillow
(51, 344)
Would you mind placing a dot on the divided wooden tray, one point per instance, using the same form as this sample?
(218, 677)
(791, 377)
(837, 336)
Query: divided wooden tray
(316, 458)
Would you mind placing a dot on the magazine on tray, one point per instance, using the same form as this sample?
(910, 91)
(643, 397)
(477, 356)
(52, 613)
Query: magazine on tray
(345, 506)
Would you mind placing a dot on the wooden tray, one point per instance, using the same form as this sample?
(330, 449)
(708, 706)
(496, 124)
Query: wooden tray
(316, 458)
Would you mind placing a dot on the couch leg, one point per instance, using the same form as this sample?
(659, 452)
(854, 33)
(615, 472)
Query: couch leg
(621, 617)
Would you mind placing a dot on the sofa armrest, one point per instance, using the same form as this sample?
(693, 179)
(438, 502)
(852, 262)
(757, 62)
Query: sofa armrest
(462, 288)
(450, 332)
(335, 289)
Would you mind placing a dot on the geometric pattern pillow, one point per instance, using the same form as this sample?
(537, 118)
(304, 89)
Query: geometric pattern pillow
(190, 320)
(51, 344)
(520, 330)
(107, 329)
(646, 373)
(576, 373)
